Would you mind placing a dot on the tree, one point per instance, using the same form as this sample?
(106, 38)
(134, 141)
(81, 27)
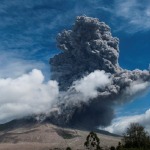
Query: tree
(112, 148)
(119, 147)
(92, 142)
(68, 148)
(136, 137)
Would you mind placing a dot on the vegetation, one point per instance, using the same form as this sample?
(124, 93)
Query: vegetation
(135, 138)
(92, 142)
(68, 148)
(112, 148)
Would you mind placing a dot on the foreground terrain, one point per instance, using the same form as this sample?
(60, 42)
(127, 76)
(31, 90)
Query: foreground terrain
(48, 136)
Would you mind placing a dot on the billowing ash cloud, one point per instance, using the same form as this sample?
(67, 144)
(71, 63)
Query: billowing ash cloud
(88, 47)
(90, 78)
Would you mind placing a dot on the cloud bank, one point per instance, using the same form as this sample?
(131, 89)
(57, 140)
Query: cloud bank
(26, 95)
(120, 124)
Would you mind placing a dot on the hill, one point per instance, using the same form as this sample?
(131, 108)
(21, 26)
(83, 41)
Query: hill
(46, 136)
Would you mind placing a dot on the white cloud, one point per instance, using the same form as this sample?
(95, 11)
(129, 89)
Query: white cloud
(89, 84)
(135, 12)
(120, 124)
(25, 95)
(137, 87)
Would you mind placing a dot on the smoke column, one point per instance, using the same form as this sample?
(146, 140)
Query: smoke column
(90, 79)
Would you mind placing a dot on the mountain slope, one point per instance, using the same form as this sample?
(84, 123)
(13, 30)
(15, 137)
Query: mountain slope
(47, 136)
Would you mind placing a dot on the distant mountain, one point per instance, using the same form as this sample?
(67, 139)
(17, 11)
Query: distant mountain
(30, 121)
(28, 134)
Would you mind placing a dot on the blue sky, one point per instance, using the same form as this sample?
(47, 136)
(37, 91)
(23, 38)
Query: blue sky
(28, 29)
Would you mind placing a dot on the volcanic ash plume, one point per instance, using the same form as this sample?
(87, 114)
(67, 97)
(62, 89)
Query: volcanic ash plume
(90, 78)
